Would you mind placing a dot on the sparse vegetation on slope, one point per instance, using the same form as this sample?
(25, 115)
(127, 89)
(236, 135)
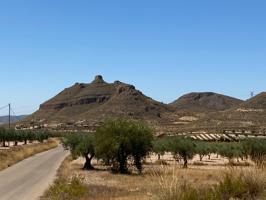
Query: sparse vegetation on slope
(93, 103)
(205, 102)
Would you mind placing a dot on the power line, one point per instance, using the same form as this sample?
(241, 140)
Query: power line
(12, 111)
(3, 107)
(9, 113)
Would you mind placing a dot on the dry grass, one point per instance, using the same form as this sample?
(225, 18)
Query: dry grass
(156, 180)
(13, 155)
(103, 185)
(234, 183)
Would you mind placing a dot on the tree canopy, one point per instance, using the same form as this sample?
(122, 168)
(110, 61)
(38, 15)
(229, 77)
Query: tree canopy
(120, 139)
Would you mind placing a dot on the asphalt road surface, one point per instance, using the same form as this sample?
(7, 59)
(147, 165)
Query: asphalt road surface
(28, 179)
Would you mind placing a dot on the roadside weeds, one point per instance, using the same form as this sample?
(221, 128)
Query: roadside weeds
(14, 155)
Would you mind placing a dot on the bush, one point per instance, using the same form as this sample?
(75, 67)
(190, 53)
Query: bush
(62, 190)
(247, 185)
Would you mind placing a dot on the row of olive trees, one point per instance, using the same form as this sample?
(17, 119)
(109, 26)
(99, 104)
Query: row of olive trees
(187, 148)
(117, 143)
(11, 135)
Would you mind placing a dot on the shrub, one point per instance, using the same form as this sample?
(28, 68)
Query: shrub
(62, 190)
(247, 185)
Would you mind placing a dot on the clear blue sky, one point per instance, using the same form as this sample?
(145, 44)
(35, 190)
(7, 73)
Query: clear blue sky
(165, 48)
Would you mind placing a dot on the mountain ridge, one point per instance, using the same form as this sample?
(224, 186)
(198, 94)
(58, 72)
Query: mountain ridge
(205, 102)
(97, 101)
(88, 105)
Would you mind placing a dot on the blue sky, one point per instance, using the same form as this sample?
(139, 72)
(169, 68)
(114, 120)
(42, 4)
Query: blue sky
(165, 48)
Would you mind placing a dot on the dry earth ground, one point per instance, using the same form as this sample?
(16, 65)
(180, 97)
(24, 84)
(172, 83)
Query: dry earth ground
(103, 185)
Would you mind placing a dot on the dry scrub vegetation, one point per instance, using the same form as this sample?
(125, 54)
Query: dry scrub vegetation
(170, 182)
(15, 154)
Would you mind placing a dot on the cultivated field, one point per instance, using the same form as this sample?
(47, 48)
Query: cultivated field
(122, 160)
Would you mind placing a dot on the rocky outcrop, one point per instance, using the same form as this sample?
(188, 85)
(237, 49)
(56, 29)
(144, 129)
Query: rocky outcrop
(98, 101)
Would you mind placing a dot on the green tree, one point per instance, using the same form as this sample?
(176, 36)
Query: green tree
(81, 144)
(184, 147)
(203, 149)
(160, 146)
(231, 150)
(256, 149)
(119, 139)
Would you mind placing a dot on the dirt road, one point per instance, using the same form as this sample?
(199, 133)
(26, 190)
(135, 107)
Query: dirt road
(28, 179)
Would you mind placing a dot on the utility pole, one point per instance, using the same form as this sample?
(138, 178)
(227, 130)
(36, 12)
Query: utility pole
(9, 117)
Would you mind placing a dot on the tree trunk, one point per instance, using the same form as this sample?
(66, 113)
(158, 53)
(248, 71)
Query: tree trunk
(88, 165)
(201, 157)
(138, 164)
(185, 162)
(122, 160)
(123, 165)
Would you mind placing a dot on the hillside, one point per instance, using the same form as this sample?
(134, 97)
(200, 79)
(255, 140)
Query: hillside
(257, 102)
(87, 105)
(92, 103)
(249, 114)
(205, 102)
(5, 119)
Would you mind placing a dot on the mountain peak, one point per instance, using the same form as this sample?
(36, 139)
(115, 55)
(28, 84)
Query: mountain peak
(98, 79)
(97, 102)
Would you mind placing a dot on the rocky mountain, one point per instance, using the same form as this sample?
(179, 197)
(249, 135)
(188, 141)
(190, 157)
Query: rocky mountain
(203, 102)
(250, 114)
(97, 101)
(257, 102)
(87, 105)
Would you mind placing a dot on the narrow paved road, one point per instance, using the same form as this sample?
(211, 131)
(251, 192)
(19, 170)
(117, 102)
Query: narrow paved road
(28, 179)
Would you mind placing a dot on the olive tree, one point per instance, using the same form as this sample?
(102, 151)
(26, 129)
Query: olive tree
(203, 149)
(81, 144)
(160, 146)
(230, 150)
(256, 149)
(118, 140)
(184, 147)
